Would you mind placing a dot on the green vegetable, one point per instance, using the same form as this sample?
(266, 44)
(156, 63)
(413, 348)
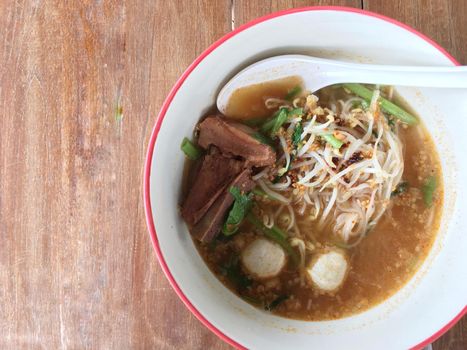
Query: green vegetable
(387, 105)
(275, 234)
(259, 192)
(329, 138)
(234, 274)
(241, 206)
(191, 150)
(220, 239)
(276, 302)
(281, 119)
(272, 125)
(297, 133)
(268, 124)
(428, 190)
(400, 188)
(251, 300)
(296, 111)
(293, 93)
(391, 123)
(263, 139)
(360, 104)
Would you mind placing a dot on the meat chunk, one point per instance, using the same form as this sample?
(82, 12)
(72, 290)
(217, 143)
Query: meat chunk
(209, 226)
(215, 173)
(263, 259)
(231, 139)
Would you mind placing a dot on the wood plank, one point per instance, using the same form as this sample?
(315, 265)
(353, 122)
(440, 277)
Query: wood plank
(246, 11)
(77, 268)
(442, 20)
(454, 339)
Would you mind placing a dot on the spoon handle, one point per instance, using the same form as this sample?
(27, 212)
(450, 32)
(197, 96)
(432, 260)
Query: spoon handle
(447, 77)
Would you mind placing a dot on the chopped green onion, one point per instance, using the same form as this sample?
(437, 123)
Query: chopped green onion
(296, 111)
(387, 105)
(276, 234)
(360, 104)
(293, 93)
(329, 138)
(428, 190)
(191, 150)
(234, 274)
(252, 300)
(400, 188)
(259, 192)
(241, 206)
(276, 302)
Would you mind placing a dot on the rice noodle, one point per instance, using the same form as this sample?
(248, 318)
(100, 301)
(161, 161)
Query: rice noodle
(271, 193)
(348, 188)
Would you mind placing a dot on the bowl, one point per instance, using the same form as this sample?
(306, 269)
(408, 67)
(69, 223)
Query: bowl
(435, 297)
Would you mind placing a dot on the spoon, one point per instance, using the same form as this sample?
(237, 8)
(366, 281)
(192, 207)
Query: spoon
(318, 73)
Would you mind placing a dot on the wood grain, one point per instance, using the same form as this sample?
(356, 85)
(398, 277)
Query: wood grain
(245, 10)
(442, 20)
(77, 269)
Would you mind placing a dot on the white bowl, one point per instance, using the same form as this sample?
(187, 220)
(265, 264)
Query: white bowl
(433, 300)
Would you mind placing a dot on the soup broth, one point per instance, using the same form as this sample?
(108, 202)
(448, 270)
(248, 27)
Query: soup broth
(379, 261)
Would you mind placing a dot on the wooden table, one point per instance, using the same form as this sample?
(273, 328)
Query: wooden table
(77, 269)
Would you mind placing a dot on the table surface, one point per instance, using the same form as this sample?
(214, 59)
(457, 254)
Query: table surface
(77, 268)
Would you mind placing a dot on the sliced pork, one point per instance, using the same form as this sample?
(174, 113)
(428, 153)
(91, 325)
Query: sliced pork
(209, 226)
(212, 178)
(233, 140)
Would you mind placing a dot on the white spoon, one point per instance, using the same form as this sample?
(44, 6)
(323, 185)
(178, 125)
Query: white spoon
(318, 73)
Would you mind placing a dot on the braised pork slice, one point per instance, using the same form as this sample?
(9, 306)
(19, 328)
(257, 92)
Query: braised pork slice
(215, 173)
(210, 225)
(231, 139)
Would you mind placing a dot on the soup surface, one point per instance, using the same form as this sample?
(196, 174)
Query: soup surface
(302, 239)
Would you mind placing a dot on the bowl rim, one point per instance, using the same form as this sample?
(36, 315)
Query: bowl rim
(163, 111)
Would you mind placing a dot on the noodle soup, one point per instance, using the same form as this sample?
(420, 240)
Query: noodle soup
(317, 206)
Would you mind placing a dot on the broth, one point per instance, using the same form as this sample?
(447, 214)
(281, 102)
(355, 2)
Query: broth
(248, 102)
(385, 259)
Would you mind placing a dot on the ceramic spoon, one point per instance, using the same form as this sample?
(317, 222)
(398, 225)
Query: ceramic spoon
(318, 73)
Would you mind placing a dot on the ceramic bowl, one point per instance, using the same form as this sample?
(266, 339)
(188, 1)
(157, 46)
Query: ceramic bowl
(433, 299)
